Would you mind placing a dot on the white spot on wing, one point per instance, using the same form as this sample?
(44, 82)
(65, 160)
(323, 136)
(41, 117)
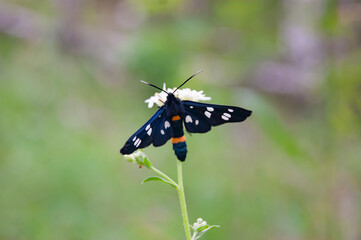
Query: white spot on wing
(135, 137)
(210, 109)
(230, 110)
(146, 129)
(149, 131)
(166, 124)
(188, 119)
(138, 143)
(162, 132)
(225, 118)
(208, 114)
(197, 122)
(227, 115)
(190, 106)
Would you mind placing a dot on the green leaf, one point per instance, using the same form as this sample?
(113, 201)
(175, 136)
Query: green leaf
(147, 163)
(205, 229)
(200, 229)
(155, 178)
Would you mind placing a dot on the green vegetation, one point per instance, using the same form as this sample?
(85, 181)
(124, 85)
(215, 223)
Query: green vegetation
(70, 97)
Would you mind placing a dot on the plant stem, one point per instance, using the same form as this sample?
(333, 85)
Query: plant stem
(194, 235)
(182, 201)
(164, 175)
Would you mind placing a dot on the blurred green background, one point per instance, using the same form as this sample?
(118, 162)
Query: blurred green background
(70, 97)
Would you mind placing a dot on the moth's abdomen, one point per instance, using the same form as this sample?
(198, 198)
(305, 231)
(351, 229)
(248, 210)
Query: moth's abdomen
(178, 139)
(180, 147)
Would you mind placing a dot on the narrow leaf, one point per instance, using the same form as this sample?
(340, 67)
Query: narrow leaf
(155, 178)
(205, 230)
(147, 163)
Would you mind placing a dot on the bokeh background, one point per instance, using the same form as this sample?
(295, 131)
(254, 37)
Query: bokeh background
(70, 97)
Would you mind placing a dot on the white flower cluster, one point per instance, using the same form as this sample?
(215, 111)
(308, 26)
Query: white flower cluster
(198, 224)
(200, 227)
(139, 158)
(183, 94)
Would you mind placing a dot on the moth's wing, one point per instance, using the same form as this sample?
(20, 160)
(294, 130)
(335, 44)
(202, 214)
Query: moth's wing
(157, 131)
(195, 121)
(199, 117)
(162, 131)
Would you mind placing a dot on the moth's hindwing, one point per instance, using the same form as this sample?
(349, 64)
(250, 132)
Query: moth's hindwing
(157, 131)
(199, 117)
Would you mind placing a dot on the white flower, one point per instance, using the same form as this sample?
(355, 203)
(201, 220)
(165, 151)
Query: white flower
(200, 227)
(198, 224)
(138, 158)
(183, 94)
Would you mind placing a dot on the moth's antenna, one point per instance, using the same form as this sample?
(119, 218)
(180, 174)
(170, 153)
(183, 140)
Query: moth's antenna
(153, 86)
(187, 80)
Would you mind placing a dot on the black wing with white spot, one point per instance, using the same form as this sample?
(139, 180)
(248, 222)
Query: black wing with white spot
(199, 117)
(157, 131)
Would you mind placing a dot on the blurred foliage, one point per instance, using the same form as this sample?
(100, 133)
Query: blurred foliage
(157, 55)
(291, 171)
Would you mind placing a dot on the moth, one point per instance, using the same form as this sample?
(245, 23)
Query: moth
(167, 123)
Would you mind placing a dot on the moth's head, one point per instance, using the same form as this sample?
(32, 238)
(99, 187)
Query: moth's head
(171, 97)
(173, 105)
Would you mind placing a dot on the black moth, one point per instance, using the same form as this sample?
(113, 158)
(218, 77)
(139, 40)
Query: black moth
(167, 123)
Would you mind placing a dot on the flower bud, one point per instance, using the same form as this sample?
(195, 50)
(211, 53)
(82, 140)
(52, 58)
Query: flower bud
(198, 224)
(138, 158)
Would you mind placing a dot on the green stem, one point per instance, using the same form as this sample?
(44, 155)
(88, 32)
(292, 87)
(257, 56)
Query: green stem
(164, 176)
(182, 201)
(194, 235)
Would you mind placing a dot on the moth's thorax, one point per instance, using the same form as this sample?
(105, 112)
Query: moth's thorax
(173, 106)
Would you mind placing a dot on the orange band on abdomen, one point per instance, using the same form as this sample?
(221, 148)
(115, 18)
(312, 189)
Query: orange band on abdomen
(175, 118)
(178, 140)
